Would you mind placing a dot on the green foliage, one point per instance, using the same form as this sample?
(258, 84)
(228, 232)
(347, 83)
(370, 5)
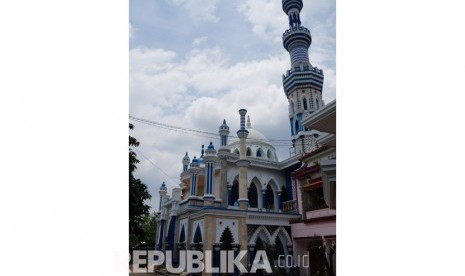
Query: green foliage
(150, 228)
(138, 194)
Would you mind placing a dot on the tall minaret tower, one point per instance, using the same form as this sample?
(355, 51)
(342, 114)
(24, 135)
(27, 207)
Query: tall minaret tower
(303, 83)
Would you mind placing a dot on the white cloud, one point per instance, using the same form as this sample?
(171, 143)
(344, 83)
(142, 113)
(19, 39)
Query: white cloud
(132, 31)
(266, 16)
(199, 10)
(200, 89)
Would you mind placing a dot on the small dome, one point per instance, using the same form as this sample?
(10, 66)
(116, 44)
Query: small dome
(186, 157)
(211, 146)
(224, 125)
(163, 186)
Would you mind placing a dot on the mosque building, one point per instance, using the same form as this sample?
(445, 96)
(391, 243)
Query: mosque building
(237, 195)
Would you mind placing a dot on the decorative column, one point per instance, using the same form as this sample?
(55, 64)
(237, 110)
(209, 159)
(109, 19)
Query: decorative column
(235, 248)
(194, 172)
(264, 199)
(230, 194)
(251, 254)
(216, 256)
(280, 202)
(242, 163)
(210, 161)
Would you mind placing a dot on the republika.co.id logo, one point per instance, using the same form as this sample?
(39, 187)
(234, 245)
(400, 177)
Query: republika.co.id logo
(193, 261)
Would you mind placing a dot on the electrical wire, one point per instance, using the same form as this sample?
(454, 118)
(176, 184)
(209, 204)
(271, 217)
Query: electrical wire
(169, 177)
(201, 133)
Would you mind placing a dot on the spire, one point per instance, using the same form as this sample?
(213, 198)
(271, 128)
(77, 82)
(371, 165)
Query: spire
(248, 122)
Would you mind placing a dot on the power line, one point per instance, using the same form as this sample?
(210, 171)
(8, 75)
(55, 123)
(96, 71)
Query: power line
(170, 178)
(201, 133)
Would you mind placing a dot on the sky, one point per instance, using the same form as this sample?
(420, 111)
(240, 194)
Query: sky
(193, 63)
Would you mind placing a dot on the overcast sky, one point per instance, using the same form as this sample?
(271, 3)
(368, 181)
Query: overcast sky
(194, 63)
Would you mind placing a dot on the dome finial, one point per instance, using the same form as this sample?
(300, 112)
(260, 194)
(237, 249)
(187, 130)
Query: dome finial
(248, 122)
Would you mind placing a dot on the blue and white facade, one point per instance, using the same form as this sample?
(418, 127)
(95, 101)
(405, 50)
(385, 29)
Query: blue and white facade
(303, 83)
(237, 195)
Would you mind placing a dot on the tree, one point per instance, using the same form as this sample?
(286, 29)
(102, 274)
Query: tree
(138, 193)
(150, 228)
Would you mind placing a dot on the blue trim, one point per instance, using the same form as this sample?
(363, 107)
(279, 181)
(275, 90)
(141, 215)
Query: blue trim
(171, 230)
(160, 238)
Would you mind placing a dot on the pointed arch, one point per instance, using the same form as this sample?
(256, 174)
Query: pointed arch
(252, 195)
(259, 152)
(305, 103)
(226, 239)
(264, 235)
(270, 198)
(182, 235)
(317, 104)
(236, 151)
(249, 152)
(292, 107)
(283, 235)
(198, 235)
(296, 126)
(234, 191)
(269, 154)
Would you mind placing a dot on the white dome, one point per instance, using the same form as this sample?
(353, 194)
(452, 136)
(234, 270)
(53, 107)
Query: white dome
(256, 142)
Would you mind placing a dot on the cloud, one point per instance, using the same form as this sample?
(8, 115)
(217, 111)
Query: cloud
(199, 10)
(201, 88)
(266, 16)
(132, 31)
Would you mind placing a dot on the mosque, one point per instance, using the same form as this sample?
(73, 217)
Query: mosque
(237, 195)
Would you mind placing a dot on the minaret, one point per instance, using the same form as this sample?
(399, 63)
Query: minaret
(223, 153)
(162, 216)
(185, 162)
(303, 83)
(242, 163)
(162, 193)
(194, 171)
(210, 162)
(224, 132)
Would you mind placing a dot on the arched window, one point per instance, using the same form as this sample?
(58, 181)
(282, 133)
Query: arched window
(249, 152)
(253, 196)
(182, 237)
(234, 192)
(305, 103)
(292, 107)
(296, 127)
(259, 153)
(269, 155)
(197, 235)
(269, 195)
(317, 104)
(236, 151)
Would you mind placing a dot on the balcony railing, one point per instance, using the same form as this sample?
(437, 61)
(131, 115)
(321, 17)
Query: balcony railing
(289, 206)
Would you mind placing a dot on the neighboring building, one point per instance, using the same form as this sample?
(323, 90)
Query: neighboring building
(315, 183)
(241, 196)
